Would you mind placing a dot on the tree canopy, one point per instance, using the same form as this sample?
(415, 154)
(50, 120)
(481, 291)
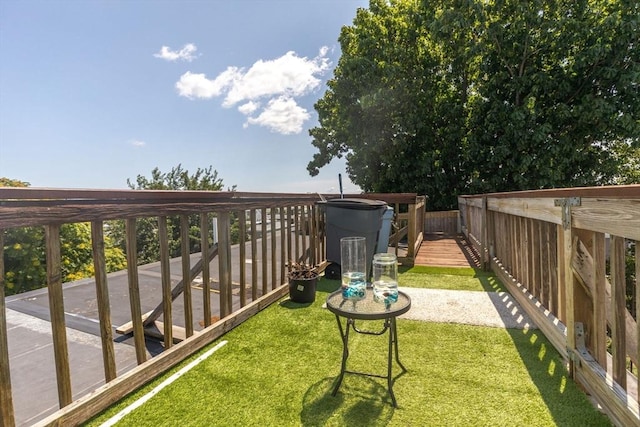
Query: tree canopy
(179, 179)
(148, 246)
(447, 97)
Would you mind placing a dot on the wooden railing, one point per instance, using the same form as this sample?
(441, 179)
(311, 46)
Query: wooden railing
(282, 219)
(562, 253)
(273, 229)
(445, 222)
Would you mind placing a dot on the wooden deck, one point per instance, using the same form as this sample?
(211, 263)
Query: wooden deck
(446, 250)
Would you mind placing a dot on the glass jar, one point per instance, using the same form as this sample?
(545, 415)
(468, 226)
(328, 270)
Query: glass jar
(353, 254)
(385, 278)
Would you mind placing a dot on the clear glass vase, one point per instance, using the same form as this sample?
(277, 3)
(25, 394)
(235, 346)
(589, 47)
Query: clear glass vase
(385, 278)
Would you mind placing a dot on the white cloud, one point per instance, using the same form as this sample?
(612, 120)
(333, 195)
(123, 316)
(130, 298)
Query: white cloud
(282, 115)
(193, 85)
(187, 53)
(279, 81)
(288, 75)
(138, 143)
(249, 108)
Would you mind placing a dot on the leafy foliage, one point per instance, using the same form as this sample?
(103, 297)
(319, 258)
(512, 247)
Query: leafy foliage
(148, 246)
(446, 97)
(179, 179)
(8, 182)
(24, 259)
(25, 255)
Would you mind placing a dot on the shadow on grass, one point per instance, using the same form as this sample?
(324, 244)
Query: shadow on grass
(491, 283)
(364, 404)
(294, 305)
(327, 286)
(550, 376)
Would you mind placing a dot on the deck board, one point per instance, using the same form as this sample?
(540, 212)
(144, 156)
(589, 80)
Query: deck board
(446, 250)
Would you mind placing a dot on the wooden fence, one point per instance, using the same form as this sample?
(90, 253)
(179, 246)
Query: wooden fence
(445, 222)
(293, 223)
(51, 208)
(550, 249)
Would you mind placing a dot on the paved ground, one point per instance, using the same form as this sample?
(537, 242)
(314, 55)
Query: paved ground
(495, 309)
(33, 377)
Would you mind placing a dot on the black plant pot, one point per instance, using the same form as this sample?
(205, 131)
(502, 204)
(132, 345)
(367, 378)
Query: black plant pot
(303, 290)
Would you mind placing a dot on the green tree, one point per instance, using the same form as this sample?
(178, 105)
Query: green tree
(380, 109)
(25, 255)
(8, 182)
(24, 259)
(179, 179)
(148, 246)
(445, 97)
(560, 103)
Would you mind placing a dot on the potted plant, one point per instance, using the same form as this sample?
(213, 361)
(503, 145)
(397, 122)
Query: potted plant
(302, 282)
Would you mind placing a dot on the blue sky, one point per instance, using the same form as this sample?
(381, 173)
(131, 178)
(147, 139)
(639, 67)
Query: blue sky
(95, 92)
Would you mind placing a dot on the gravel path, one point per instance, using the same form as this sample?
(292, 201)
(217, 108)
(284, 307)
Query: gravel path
(496, 309)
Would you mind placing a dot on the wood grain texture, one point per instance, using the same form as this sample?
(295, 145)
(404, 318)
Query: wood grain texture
(445, 250)
(56, 310)
(102, 299)
(6, 396)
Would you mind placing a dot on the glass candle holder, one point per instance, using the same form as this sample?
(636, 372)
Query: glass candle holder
(353, 257)
(385, 278)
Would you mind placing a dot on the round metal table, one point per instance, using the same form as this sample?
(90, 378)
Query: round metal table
(368, 309)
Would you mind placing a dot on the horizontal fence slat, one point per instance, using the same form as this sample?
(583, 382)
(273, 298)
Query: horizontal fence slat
(613, 216)
(542, 209)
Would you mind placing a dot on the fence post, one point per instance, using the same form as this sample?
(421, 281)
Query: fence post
(637, 289)
(186, 274)
(274, 267)
(600, 299)
(134, 290)
(565, 277)
(165, 280)
(484, 257)
(411, 230)
(618, 330)
(56, 310)
(263, 247)
(6, 399)
(206, 266)
(242, 237)
(102, 298)
(224, 260)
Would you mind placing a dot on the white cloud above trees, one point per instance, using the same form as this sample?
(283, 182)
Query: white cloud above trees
(282, 115)
(267, 92)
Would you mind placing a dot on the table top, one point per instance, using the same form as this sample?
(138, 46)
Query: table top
(367, 309)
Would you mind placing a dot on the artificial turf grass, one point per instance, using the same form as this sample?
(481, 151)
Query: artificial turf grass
(450, 278)
(279, 368)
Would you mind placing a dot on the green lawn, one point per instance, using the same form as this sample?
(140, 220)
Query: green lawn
(278, 369)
